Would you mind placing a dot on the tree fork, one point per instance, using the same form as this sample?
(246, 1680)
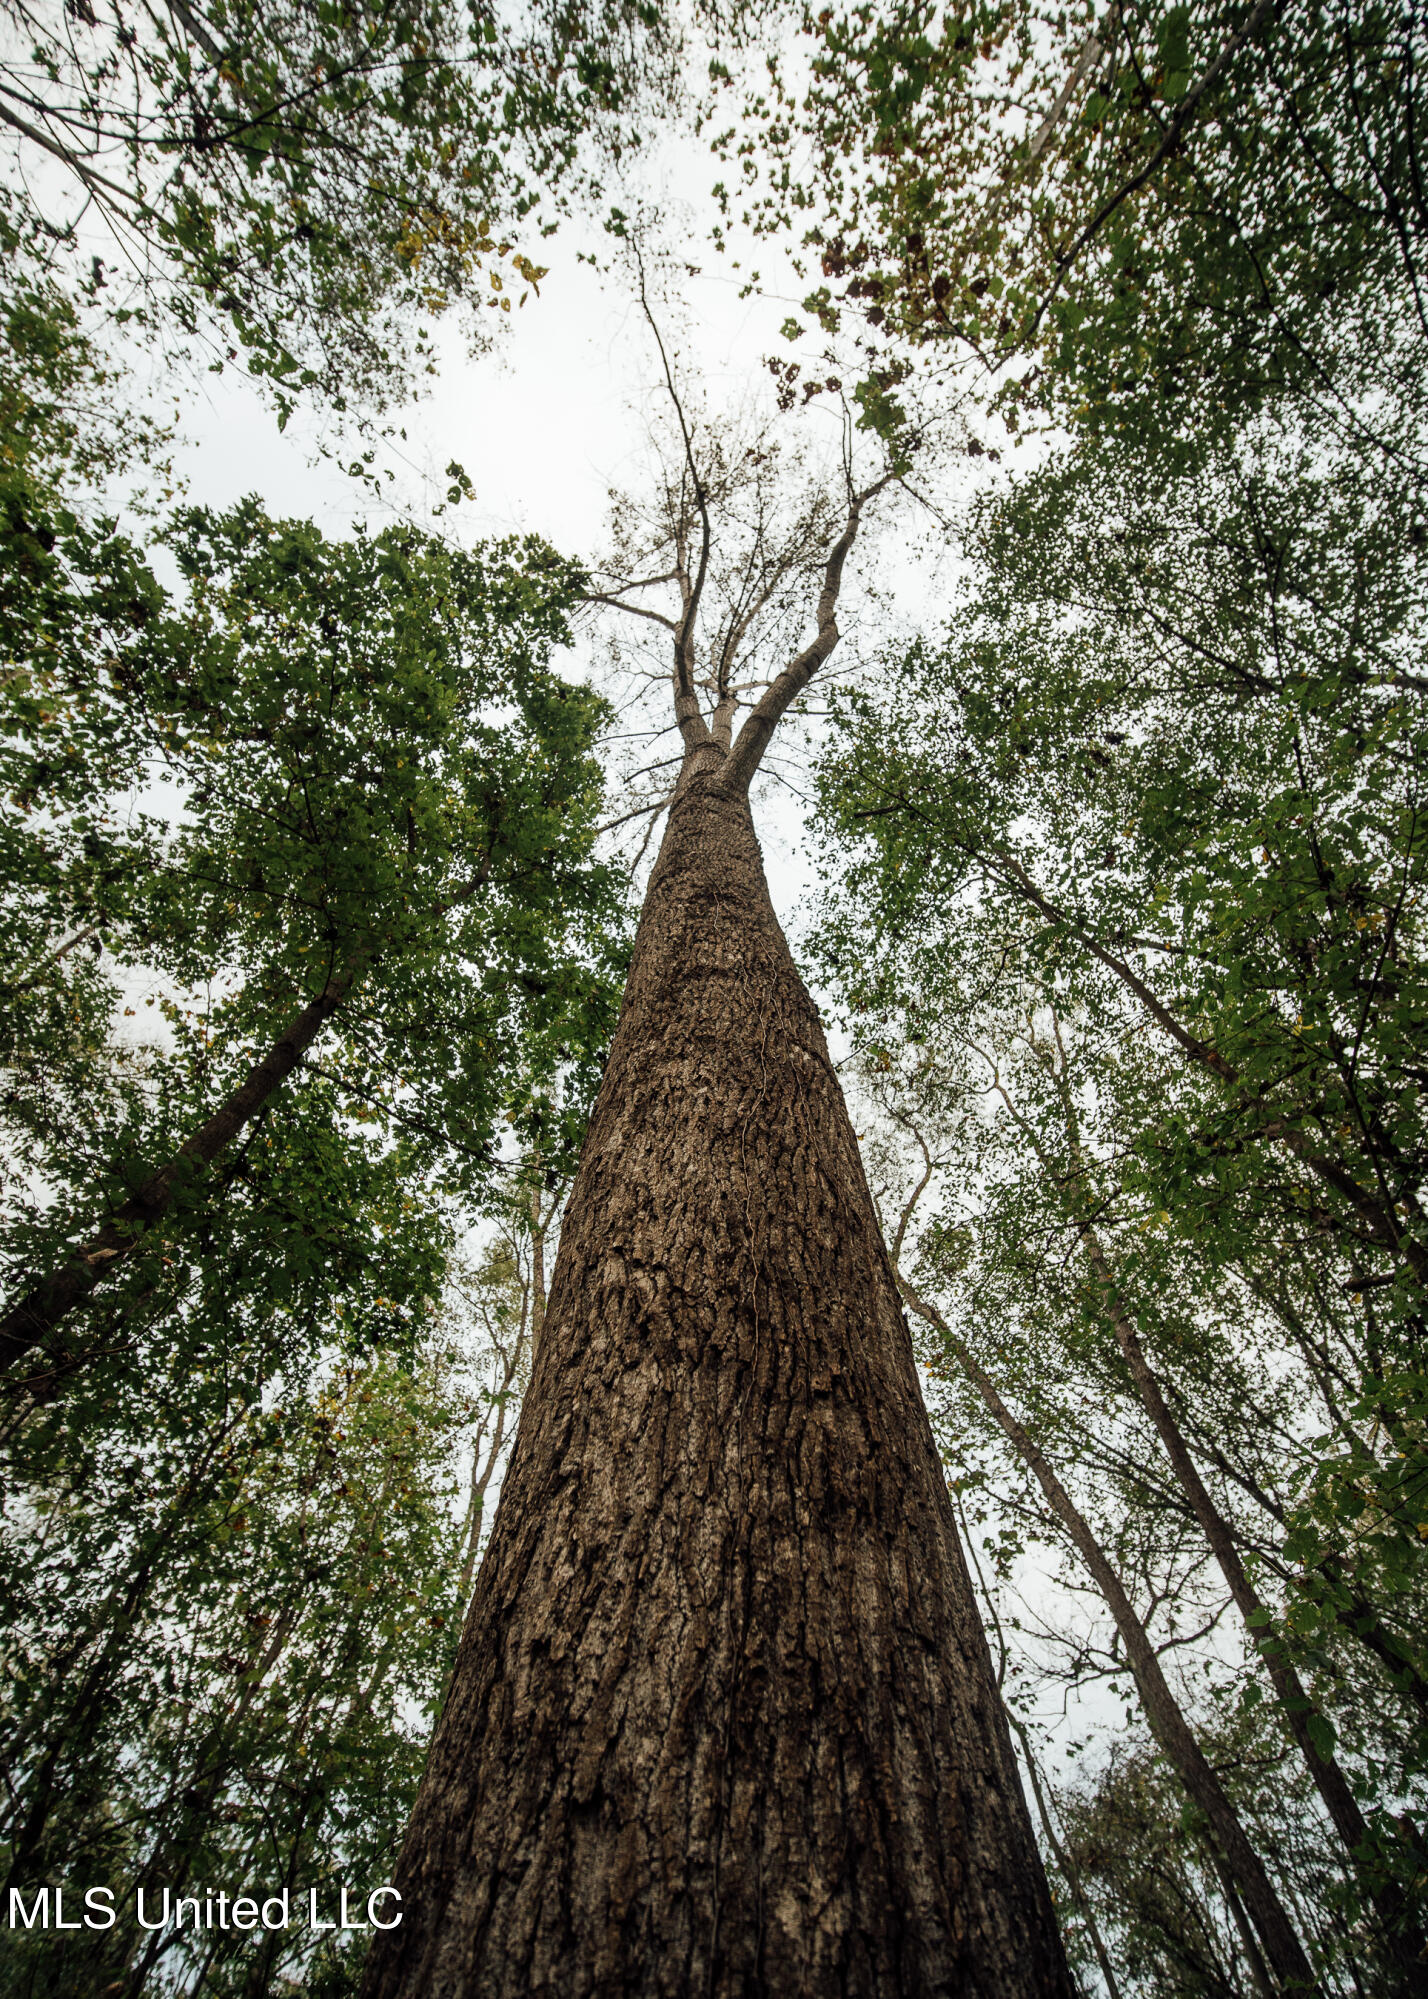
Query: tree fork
(722, 1720)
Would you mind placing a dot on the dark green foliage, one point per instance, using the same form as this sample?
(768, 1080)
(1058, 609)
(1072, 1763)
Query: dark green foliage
(233, 1560)
(223, 1624)
(381, 782)
(1155, 1887)
(1168, 217)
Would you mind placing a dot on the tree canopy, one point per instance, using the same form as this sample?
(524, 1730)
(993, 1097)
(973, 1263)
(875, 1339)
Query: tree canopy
(310, 957)
(307, 187)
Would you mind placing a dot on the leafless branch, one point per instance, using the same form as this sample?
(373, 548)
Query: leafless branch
(688, 714)
(636, 610)
(754, 737)
(651, 805)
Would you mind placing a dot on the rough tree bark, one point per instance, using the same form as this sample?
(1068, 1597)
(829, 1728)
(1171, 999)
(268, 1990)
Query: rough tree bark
(723, 1720)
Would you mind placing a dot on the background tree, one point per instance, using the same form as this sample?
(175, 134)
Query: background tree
(1231, 932)
(360, 845)
(225, 1622)
(505, 1296)
(1248, 915)
(1184, 1400)
(1178, 708)
(1176, 1926)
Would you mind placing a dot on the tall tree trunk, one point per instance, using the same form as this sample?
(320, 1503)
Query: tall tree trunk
(1263, 1983)
(722, 1721)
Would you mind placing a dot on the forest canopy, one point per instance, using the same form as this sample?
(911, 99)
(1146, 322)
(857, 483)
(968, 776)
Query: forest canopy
(1058, 576)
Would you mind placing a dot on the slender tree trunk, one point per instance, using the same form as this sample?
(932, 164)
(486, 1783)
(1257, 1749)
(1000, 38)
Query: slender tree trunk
(483, 1468)
(35, 1316)
(540, 1223)
(1402, 1933)
(1065, 1860)
(514, 1355)
(1162, 1711)
(1263, 1983)
(722, 1721)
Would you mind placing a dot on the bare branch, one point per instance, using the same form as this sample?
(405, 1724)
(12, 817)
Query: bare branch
(187, 19)
(753, 739)
(97, 183)
(645, 583)
(692, 725)
(635, 610)
(651, 805)
(61, 951)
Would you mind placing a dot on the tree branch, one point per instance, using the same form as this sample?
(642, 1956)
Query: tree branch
(96, 182)
(754, 738)
(1066, 258)
(687, 712)
(636, 610)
